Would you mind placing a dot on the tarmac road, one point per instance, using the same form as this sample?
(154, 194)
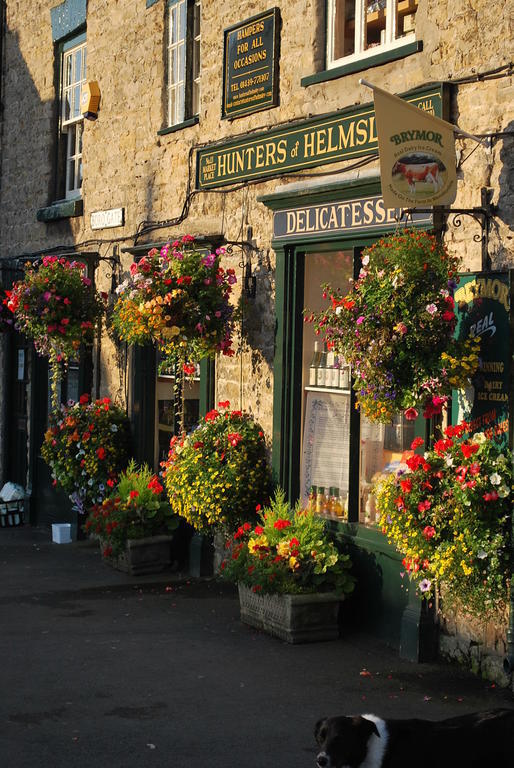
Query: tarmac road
(98, 669)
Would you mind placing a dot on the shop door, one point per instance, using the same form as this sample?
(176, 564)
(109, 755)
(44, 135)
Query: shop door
(17, 455)
(49, 504)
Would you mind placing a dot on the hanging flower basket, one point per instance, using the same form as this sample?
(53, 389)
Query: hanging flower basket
(57, 307)
(396, 328)
(178, 299)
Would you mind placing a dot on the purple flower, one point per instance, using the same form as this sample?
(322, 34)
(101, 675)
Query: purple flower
(209, 260)
(360, 319)
(47, 295)
(425, 585)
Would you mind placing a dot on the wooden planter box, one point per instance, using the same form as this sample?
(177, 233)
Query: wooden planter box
(141, 556)
(293, 618)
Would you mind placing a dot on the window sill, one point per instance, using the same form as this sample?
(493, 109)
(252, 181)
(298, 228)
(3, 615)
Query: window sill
(179, 126)
(61, 209)
(362, 64)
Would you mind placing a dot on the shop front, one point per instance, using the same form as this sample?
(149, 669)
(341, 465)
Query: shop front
(324, 451)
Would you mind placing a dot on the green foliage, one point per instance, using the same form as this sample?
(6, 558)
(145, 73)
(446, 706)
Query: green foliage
(134, 510)
(86, 446)
(449, 515)
(288, 551)
(217, 475)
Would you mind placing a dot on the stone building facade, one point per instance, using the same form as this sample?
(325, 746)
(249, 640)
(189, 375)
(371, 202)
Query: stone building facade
(135, 158)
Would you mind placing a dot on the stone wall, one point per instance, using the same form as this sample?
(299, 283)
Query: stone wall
(127, 164)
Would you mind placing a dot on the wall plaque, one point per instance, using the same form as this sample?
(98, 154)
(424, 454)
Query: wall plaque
(115, 217)
(250, 65)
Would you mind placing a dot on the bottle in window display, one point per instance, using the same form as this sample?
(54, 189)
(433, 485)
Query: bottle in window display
(337, 507)
(320, 500)
(313, 368)
(322, 368)
(332, 374)
(344, 375)
(311, 505)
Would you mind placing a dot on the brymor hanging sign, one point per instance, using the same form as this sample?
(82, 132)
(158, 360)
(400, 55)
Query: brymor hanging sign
(417, 154)
(309, 143)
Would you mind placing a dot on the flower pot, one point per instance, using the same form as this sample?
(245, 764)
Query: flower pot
(294, 618)
(142, 556)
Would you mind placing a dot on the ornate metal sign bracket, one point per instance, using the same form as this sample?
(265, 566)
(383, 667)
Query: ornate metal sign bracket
(481, 214)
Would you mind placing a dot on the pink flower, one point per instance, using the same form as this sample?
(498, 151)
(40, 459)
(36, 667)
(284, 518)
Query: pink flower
(411, 414)
(360, 320)
(431, 309)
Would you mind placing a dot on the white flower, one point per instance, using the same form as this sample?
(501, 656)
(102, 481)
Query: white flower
(431, 309)
(114, 427)
(495, 478)
(365, 260)
(503, 491)
(481, 554)
(448, 461)
(479, 438)
(339, 310)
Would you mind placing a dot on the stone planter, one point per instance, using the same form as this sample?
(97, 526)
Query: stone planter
(141, 556)
(293, 618)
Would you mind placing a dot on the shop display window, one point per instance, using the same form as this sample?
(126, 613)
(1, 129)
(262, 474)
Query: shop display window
(327, 402)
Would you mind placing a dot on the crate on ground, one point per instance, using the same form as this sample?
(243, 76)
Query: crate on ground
(12, 513)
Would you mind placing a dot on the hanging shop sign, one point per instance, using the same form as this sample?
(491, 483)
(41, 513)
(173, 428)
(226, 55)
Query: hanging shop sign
(482, 302)
(250, 65)
(417, 154)
(337, 218)
(340, 136)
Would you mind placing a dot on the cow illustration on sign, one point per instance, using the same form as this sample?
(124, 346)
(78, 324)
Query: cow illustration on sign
(421, 175)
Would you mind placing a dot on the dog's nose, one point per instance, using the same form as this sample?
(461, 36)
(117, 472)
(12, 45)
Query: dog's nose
(323, 760)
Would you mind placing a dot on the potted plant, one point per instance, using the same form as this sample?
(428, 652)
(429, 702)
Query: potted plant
(217, 474)
(86, 446)
(134, 523)
(448, 513)
(56, 306)
(178, 299)
(395, 327)
(290, 576)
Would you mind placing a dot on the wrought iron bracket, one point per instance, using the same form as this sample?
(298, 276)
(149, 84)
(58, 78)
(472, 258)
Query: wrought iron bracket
(482, 214)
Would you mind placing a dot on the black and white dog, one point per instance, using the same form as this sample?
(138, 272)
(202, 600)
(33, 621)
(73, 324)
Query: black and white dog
(476, 740)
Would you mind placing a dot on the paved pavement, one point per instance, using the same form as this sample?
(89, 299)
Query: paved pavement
(101, 669)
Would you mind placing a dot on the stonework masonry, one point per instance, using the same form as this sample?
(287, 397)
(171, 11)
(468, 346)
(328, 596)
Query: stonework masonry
(128, 164)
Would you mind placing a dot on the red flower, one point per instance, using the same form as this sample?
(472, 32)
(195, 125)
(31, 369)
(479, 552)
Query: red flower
(197, 445)
(211, 415)
(83, 399)
(448, 316)
(469, 450)
(400, 502)
(224, 404)
(189, 370)
(416, 443)
(424, 505)
(428, 532)
(134, 494)
(406, 485)
(100, 452)
(155, 486)
(490, 496)
(234, 438)
(281, 523)
(411, 414)
(474, 468)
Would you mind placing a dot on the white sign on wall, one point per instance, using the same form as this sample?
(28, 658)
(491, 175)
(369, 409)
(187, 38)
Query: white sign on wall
(115, 217)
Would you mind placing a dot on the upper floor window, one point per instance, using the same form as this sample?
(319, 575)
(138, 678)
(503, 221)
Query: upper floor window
(73, 77)
(183, 64)
(361, 28)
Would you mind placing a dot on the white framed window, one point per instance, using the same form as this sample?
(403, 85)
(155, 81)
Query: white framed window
(183, 60)
(357, 29)
(72, 122)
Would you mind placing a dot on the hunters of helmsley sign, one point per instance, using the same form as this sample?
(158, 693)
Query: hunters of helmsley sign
(305, 144)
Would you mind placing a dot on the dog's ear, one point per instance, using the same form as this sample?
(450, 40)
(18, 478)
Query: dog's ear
(368, 726)
(320, 730)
